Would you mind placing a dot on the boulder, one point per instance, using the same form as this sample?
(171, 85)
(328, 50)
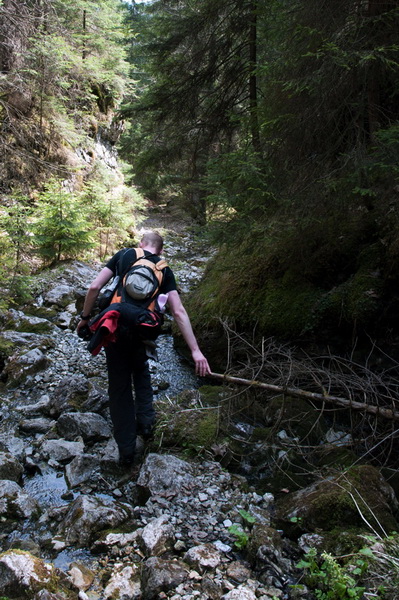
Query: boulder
(13, 444)
(23, 575)
(89, 426)
(69, 395)
(18, 321)
(124, 584)
(20, 365)
(42, 406)
(11, 340)
(10, 468)
(161, 575)
(40, 425)
(163, 474)
(60, 295)
(264, 552)
(342, 500)
(204, 556)
(63, 320)
(241, 593)
(61, 450)
(96, 401)
(15, 503)
(83, 468)
(88, 516)
(157, 537)
(81, 576)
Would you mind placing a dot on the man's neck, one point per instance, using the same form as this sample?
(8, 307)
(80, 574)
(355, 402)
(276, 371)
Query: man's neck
(149, 249)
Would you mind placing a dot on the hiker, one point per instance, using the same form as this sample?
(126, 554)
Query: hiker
(127, 357)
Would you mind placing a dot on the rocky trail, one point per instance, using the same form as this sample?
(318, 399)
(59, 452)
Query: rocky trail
(74, 523)
(182, 524)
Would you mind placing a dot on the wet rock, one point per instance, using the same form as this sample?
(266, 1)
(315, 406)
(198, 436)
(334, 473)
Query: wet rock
(69, 394)
(15, 503)
(89, 426)
(124, 584)
(41, 425)
(161, 575)
(22, 574)
(157, 537)
(165, 474)
(10, 468)
(96, 401)
(83, 468)
(13, 444)
(87, 517)
(61, 450)
(203, 557)
(60, 295)
(20, 366)
(81, 576)
(42, 406)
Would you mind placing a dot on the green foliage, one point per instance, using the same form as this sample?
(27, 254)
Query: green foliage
(110, 206)
(329, 580)
(15, 244)
(64, 64)
(60, 228)
(248, 518)
(241, 537)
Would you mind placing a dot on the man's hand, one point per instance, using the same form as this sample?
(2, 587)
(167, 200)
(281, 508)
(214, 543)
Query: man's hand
(201, 364)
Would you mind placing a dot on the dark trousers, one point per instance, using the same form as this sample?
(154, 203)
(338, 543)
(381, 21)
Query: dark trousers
(127, 361)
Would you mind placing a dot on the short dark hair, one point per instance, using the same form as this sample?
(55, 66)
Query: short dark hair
(153, 239)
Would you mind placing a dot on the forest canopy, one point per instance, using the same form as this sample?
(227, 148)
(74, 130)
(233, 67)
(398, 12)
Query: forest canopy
(274, 124)
(279, 123)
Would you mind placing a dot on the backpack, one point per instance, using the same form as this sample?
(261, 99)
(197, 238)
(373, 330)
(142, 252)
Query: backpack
(133, 294)
(141, 281)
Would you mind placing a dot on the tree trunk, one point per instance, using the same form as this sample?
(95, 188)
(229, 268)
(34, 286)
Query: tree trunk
(253, 97)
(387, 413)
(84, 51)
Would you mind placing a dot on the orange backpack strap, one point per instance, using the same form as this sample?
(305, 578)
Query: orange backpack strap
(117, 297)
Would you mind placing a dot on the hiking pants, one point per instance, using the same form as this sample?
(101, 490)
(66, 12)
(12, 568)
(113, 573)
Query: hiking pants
(127, 360)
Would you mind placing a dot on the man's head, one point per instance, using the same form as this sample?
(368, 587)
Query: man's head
(152, 241)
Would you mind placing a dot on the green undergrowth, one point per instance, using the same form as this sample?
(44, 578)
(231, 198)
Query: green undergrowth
(297, 283)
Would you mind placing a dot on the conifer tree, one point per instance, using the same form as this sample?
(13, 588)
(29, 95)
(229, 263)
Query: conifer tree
(201, 57)
(61, 231)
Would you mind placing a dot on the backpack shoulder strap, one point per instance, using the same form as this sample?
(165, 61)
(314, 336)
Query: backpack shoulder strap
(161, 264)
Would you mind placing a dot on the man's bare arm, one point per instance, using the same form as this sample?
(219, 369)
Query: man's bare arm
(183, 322)
(102, 278)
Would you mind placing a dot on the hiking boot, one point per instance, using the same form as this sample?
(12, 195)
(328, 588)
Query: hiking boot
(146, 432)
(127, 460)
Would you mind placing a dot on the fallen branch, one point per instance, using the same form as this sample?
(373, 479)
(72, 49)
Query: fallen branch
(345, 402)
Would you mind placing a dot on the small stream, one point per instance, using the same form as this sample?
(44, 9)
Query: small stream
(45, 482)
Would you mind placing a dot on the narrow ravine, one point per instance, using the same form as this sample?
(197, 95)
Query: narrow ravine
(64, 500)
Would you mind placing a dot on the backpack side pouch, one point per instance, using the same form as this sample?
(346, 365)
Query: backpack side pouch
(105, 298)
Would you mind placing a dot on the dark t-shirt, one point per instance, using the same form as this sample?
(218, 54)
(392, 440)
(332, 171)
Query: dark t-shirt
(129, 256)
